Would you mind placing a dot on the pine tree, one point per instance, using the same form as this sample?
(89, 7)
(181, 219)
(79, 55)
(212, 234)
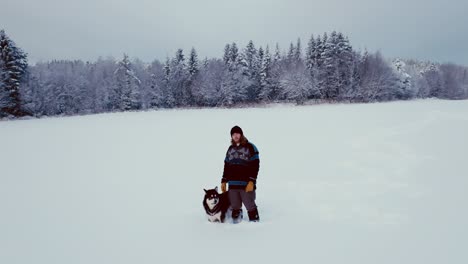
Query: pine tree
(193, 66)
(319, 70)
(330, 80)
(261, 53)
(127, 86)
(298, 52)
(13, 68)
(266, 85)
(275, 73)
(193, 70)
(251, 55)
(235, 81)
(178, 79)
(319, 44)
(234, 55)
(226, 55)
(345, 64)
(169, 100)
(277, 56)
(291, 54)
(251, 64)
(311, 53)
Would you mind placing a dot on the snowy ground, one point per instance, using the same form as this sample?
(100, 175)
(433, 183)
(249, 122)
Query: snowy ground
(374, 183)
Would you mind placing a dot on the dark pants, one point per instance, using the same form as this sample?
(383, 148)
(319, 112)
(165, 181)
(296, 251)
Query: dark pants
(239, 197)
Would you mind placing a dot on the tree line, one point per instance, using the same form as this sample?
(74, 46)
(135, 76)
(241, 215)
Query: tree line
(327, 69)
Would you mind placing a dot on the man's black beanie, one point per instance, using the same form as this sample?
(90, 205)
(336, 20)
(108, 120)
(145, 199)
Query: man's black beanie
(236, 129)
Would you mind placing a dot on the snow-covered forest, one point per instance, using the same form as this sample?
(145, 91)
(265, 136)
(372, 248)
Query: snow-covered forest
(324, 69)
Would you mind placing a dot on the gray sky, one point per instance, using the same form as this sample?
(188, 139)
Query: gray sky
(148, 29)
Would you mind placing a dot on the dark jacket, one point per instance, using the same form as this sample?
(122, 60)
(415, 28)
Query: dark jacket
(241, 165)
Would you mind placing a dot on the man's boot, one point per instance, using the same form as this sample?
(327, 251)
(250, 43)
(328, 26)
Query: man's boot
(253, 215)
(237, 216)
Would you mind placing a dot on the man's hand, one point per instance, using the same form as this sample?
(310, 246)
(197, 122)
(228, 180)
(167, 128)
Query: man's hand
(249, 187)
(223, 187)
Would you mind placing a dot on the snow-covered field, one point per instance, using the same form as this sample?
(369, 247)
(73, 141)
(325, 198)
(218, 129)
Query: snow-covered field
(373, 183)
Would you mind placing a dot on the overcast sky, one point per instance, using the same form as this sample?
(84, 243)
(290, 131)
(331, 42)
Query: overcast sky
(148, 29)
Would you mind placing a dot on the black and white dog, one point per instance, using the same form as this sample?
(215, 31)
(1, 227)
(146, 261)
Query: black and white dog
(216, 205)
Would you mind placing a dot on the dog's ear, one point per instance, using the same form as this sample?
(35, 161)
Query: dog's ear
(205, 190)
(216, 188)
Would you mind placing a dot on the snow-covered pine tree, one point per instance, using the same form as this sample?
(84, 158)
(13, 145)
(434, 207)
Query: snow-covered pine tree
(319, 46)
(193, 70)
(277, 56)
(13, 67)
(330, 77)
(251, 57)
(312, 65)
(319, 69)
(266, 85)
(235, 80)
(226, 91)
(345, 63)
(275, 73)
(168, 95)
(234, 56)
(226, 55)
(290, 55)
(261, 53)
(251, 65)
(127, 85)
(178, 79)
(298, 52)
(193, 64)
(310, 56)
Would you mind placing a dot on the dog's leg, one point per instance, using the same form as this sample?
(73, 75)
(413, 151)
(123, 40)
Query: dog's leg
(223, 216)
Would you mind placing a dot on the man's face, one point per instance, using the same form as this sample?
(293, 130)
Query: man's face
(236, 137)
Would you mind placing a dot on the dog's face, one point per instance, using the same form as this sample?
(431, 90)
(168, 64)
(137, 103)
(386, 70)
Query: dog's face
(212, 197)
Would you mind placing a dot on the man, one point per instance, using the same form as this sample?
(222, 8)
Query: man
(241, 167)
